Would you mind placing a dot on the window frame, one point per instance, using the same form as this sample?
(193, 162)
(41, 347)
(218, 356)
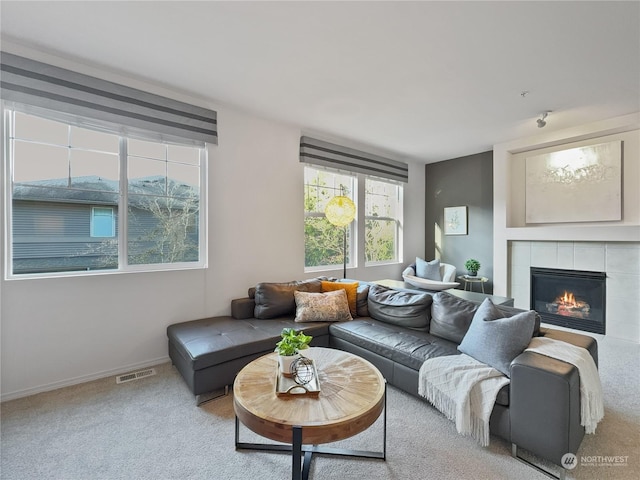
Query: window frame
(92, 232)
(352, 228)
(121, 234)
(398, 231)
(358, 228)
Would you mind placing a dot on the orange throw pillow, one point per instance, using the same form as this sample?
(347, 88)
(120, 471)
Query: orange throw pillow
(350, 288)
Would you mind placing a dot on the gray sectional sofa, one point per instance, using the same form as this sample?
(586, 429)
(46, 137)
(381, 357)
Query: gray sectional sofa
(396, 331)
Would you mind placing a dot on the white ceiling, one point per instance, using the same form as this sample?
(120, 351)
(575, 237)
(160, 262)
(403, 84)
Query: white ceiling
(424, 80)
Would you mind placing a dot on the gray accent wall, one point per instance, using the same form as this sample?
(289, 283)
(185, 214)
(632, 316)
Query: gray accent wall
(452, 183)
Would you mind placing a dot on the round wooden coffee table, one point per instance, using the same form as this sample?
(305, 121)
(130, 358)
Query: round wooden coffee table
(352, 397)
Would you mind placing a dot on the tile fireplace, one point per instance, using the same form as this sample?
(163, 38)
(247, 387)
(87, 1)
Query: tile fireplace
(570, 298)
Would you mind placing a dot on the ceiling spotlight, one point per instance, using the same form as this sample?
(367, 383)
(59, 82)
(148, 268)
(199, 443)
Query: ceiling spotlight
(541, 122)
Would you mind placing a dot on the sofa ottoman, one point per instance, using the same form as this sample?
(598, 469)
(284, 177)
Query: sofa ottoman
(209, 352)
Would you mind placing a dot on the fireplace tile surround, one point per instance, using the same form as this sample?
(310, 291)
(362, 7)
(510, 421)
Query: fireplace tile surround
(619, 260)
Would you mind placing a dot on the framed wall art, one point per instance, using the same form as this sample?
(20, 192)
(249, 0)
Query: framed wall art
(455, 220)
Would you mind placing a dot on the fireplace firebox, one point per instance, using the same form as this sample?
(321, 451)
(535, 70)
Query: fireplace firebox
(570, 298)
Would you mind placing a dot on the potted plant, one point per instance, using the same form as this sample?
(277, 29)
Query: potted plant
(472, 265)
(289, 346)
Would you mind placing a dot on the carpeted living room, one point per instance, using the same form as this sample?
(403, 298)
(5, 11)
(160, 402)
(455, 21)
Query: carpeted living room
(150, 429)
(175, 176)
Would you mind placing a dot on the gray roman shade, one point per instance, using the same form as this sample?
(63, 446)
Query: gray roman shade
(42, 85)
(327, 154)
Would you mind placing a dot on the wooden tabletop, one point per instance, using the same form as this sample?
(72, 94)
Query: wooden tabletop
(351, 398)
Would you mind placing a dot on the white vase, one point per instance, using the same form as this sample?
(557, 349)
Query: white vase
(285, 362)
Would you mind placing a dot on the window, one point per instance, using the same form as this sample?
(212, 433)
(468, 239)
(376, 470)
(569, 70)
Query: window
(382, 218)
(377, 232)
(383, 221)
(324, 241)
(163, 203)
(102, 222)
(68, 185)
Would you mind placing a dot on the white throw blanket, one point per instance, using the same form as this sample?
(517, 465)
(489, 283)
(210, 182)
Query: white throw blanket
(591, 402)
(464, 390)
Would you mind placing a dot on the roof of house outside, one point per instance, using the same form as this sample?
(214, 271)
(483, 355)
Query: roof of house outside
(96, 190)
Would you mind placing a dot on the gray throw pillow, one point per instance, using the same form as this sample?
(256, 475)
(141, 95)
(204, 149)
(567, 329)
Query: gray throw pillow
(407, 309)
(429, 270)
(496, 340)
(511, 311)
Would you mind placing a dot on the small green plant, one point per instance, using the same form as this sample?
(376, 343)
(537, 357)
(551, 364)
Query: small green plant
(292, 342)
(472, 265)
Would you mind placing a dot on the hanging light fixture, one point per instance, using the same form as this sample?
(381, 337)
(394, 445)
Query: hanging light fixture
(340, 211)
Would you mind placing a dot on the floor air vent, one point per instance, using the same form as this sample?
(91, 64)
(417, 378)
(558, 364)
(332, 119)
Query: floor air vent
(129, 377)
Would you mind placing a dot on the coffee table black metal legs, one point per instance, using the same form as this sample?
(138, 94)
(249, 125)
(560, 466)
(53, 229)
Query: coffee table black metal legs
(300, 467)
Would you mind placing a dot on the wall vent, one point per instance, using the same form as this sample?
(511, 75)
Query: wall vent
(129, 377)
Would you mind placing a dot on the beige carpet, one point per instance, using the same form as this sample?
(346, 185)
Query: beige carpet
(151, 429)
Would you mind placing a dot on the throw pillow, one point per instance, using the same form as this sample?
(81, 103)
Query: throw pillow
(322, 307)
(407, 309)
(429, 270)
(511, 311)
(276, 299)
(496, 340)
(350, 288)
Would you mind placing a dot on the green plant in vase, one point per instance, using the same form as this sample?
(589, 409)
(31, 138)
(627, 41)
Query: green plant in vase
(290, 344)
(472, 265)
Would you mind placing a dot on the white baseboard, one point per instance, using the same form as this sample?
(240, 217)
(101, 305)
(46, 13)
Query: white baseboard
(4, 397)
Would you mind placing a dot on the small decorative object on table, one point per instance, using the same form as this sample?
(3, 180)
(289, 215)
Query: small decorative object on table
(302, 370)
(302, 380)
(472, 265)
(289, 346)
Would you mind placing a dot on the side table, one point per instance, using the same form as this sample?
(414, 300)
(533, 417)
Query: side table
(469, 281)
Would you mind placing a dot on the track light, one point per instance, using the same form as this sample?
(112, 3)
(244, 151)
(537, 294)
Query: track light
(541, 122)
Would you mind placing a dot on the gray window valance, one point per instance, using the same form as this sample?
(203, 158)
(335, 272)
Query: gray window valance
(327, 154)
(34, 83)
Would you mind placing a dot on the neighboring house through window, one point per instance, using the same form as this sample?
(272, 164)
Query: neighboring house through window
(100, 176)
(59, 171)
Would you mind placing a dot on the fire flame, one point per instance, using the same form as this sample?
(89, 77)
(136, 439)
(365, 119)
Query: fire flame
(567, 304)
(568, 299)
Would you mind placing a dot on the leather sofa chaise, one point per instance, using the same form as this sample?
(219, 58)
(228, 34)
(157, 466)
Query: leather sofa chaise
(538, 411)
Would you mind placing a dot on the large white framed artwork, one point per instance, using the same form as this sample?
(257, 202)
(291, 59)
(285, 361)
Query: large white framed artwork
(576, 185)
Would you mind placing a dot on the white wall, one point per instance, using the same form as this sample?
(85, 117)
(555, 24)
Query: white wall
(60, 331)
